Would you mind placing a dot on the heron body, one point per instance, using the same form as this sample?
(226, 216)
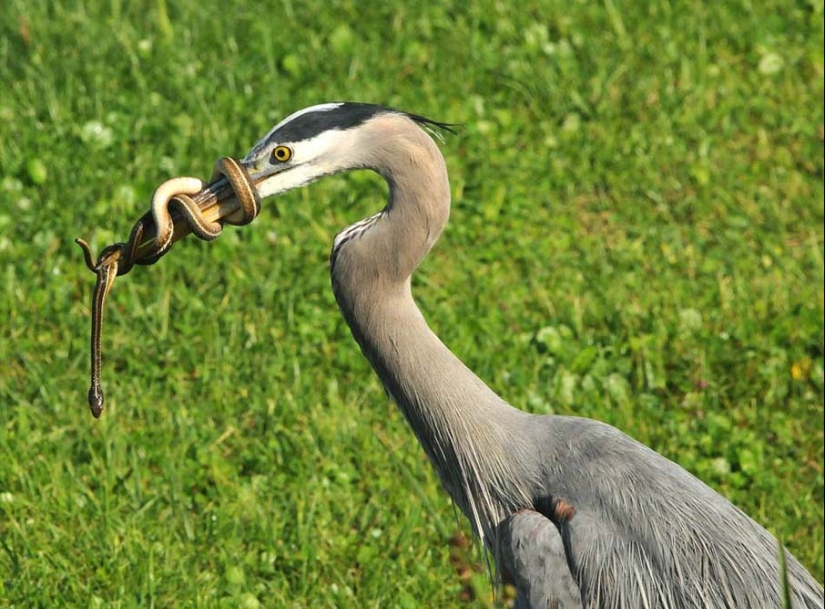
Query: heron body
(576, 513)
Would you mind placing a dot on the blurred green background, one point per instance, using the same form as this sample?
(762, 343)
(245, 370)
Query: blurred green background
(636, 236)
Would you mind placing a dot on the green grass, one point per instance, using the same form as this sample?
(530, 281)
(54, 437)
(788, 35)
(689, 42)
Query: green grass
(636, 236)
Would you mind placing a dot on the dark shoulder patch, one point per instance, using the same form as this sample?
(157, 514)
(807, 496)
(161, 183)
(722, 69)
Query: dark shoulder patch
(556, 509)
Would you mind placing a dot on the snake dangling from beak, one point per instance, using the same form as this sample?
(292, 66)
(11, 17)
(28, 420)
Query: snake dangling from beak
(230, 197)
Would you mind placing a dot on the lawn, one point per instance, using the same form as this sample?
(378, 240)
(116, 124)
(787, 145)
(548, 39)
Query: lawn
(636, 236)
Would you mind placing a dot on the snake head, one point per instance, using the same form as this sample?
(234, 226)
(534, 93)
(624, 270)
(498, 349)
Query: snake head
(96, 400)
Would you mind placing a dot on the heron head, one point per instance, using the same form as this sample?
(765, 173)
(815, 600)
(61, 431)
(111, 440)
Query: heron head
(323, 140)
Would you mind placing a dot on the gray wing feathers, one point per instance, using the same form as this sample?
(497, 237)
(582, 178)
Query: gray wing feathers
(675, 544)
(533, 559)
(646, 534)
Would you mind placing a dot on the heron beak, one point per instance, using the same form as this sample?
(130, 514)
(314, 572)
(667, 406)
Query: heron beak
(232, 183)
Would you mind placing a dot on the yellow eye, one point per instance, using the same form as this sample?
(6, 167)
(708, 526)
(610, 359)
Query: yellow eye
(281, 154)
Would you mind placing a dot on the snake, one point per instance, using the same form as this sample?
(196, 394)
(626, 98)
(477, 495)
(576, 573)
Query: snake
(119, 258)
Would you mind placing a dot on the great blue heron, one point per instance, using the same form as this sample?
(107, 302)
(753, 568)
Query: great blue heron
(576, 513)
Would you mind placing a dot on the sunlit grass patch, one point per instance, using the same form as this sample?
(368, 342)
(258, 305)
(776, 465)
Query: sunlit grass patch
(636, 236)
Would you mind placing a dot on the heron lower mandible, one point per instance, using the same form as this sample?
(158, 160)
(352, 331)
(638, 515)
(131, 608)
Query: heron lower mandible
(576, 513)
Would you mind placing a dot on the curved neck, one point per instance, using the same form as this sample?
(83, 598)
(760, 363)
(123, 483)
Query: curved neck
(394, 242)
(460, 422)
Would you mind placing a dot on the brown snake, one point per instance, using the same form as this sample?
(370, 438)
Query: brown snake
(153, 234)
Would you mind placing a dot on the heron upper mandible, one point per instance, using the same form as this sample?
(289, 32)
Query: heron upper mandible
(575, 512)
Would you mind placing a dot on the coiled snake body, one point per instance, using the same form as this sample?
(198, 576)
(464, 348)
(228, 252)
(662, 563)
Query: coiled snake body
(175, 195)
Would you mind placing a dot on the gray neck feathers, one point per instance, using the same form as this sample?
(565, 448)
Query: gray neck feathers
(458, 420)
